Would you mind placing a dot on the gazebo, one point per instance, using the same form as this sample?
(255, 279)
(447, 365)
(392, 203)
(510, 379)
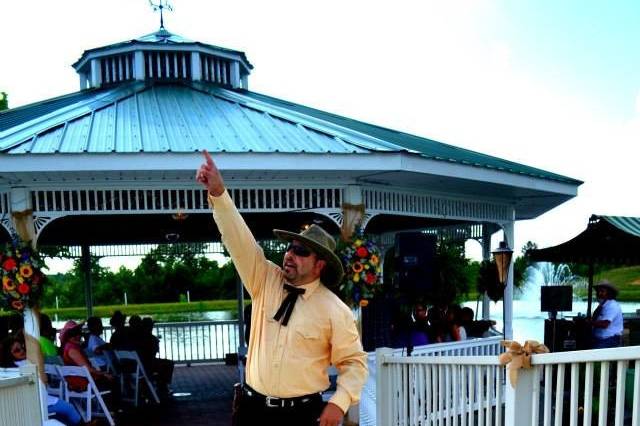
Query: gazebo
(112, 163)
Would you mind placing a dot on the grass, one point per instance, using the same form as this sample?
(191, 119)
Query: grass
(627, 280)
(143, 309)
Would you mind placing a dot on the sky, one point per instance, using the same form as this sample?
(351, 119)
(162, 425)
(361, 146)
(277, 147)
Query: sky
(554, 85)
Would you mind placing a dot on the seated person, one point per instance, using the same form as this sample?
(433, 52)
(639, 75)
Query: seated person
(64, 412)
(420, 326)
(437, 325)
(73, 354)
(475, 328)
(148, 350)
(47, 337)
(120, 337)
(96, 346)
(456, 331)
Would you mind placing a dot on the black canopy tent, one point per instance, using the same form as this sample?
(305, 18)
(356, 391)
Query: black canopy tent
(612, 240)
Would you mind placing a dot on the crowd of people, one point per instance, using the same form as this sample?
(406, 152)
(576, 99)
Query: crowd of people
(85, 347)
(437, 324)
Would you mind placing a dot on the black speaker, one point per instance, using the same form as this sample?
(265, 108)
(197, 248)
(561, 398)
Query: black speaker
(556, 298)
(415, 256)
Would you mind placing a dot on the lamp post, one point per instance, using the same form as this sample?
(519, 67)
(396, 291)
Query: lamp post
(502, 256)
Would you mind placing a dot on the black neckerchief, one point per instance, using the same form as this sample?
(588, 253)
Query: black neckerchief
(286, 307)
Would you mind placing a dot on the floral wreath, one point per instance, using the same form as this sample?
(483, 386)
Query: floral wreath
(361, 259)
(22, 279)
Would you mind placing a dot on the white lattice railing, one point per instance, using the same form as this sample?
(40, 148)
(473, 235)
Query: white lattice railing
(368, 403)
(570, 388)
(82, 201)
(425, 205)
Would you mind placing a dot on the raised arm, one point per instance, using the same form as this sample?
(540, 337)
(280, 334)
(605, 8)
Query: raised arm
(209, 176)
(247, 256)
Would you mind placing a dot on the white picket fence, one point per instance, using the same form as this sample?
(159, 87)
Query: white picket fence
(478, 347)
(568, 388)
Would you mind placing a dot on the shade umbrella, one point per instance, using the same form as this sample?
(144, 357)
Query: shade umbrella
(609, 240)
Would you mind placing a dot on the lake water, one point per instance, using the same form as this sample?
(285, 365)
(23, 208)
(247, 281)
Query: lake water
(528, 321)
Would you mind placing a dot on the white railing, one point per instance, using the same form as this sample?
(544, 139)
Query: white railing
(19, 397)
(193, 342)
(570, 388)
(368, 406)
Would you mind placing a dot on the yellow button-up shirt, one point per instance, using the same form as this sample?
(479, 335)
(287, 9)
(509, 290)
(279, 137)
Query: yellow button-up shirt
(289, 361)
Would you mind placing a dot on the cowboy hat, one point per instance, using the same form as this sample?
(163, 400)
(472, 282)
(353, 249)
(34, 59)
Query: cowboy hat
(68, 326)
(613, 290)
(321, 243)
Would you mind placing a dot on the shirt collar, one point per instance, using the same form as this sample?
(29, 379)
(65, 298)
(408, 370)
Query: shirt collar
(309, 288)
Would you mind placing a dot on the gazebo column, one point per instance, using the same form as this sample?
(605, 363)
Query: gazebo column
(486, 255)
(22, 215)
(508, 291)
(86, 269)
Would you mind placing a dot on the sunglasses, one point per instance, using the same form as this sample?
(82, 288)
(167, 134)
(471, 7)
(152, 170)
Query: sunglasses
(299, 250)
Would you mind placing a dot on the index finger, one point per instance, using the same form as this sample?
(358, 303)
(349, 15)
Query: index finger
(207, 157)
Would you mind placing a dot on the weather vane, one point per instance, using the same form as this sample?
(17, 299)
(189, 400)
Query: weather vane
(161, 6)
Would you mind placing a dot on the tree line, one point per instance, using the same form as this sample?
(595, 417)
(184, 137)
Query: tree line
(165, 276)
(161, 276)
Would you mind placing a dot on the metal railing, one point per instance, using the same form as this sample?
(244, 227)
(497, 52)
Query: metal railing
(193, 342)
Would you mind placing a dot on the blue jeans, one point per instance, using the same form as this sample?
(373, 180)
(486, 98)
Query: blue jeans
(608, 342)
(65, 413)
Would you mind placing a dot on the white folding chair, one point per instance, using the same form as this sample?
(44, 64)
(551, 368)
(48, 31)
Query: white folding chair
(55, 382)
(87, 395)
(53, 360)
(131, 368)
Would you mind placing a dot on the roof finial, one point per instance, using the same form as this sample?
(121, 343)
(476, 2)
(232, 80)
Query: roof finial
(161, 6)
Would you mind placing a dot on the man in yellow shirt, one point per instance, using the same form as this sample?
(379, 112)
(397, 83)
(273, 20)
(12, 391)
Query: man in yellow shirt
(298, 326)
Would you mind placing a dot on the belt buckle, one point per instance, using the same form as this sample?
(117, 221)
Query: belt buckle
(268, 402)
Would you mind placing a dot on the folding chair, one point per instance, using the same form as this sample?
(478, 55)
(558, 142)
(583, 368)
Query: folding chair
(55, 382)
(136, 374)
(53, 360)
(88, 395)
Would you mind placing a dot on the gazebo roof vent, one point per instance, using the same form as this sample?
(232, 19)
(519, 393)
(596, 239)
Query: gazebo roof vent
(162, 56)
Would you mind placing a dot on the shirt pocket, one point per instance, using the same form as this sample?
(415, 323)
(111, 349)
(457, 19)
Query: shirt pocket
(309, 341)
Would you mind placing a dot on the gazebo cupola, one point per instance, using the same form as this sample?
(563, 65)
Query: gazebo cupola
(162, 56)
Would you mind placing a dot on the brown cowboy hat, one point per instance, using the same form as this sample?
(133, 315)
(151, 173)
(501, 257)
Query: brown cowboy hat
(323, 244)
(613, 290)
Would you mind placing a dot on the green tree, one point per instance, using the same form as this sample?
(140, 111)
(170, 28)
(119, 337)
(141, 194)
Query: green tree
(4, 101)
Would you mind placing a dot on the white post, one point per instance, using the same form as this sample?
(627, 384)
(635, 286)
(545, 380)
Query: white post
(57, 303)
(518, 409)
(125, 299)
(383, 387)
(486, 255)
(508, 291)
(31, 337)
(188, 297)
